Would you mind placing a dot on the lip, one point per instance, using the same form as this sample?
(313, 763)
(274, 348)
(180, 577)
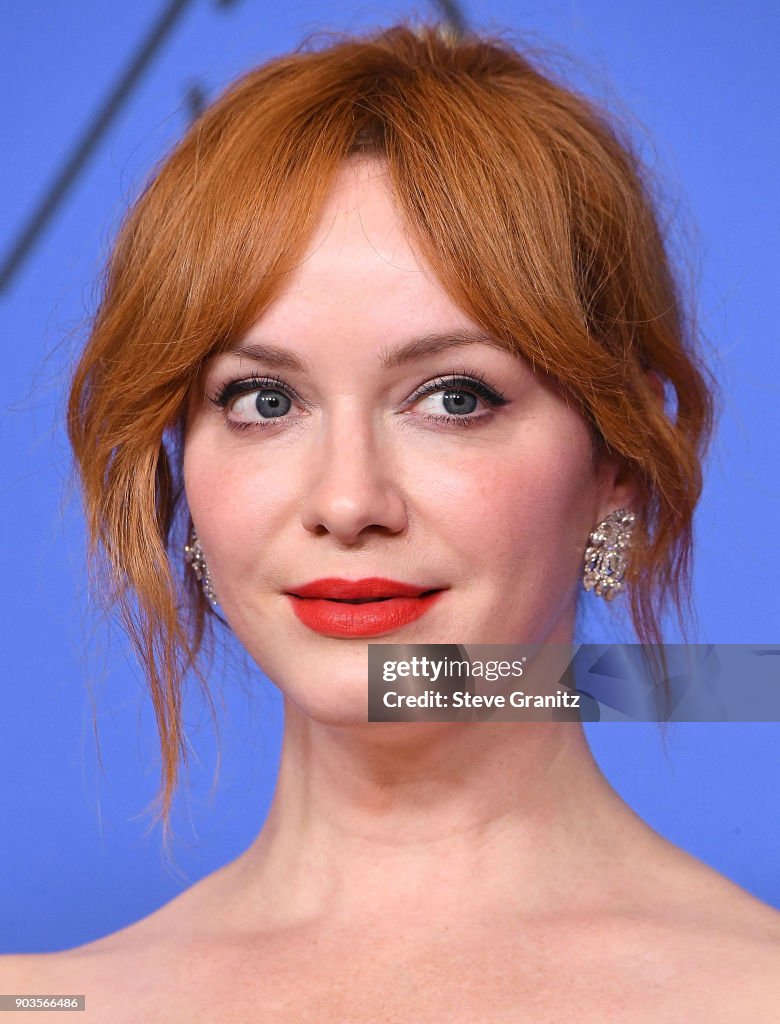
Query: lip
(334, 588)
(319, 605)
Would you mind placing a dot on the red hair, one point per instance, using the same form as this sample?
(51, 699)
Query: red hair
(531, 208)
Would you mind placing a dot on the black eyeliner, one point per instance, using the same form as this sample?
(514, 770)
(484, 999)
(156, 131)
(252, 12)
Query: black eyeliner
(226, 392)
(462, 380)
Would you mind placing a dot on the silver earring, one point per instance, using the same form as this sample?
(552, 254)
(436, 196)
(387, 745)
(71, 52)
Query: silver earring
(606, 555)
(193, 553)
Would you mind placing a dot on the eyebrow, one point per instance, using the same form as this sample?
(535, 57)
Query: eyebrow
(411, 351)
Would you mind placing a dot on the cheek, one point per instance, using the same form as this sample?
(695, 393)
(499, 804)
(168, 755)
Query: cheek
(526, 513)
(235, 503)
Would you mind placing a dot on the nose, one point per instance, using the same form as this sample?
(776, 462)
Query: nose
(354, 486)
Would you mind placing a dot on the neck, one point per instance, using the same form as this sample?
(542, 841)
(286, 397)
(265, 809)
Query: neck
(418, 819)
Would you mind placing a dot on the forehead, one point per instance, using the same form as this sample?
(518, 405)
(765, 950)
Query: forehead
(361, 271)
(360, 212)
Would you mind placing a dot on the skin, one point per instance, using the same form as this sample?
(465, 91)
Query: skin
(463, 872)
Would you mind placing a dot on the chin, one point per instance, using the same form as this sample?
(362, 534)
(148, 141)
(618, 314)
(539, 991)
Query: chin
(341, 712)
(326, 697)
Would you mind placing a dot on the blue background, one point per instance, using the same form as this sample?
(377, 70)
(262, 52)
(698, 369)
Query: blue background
(77, 859)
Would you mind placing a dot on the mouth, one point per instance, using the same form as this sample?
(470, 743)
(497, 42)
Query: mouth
(372, 588)
(362, 600)
(360, 608)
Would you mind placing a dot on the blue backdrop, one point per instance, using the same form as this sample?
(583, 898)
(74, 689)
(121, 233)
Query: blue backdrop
(77, 860)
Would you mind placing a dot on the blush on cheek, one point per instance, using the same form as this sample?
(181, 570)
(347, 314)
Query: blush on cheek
(223, 491)
(536, 509)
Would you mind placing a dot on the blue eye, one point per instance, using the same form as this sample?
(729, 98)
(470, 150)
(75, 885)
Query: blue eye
(459, 398)
(271, 403)
(256, 401)
(253, 400)
(456, 402)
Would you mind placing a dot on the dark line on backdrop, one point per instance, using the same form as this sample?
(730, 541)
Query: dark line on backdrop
(196, 100)
(73, 166)
(453, 16)
(96, 130)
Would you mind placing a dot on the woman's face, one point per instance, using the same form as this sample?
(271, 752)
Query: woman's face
(362, 430)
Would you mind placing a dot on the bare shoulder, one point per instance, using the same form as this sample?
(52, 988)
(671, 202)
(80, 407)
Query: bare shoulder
(731, 915)
(734, 953)
(17, 972)
(718, 944)
(702, 950)
(66, 972)
(38, 974)
(747, 937)
(123, 965)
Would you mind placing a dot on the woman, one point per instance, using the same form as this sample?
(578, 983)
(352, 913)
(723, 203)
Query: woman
(390, 335)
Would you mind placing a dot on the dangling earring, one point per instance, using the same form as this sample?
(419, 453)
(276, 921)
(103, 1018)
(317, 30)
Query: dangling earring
(606, 555)
(193, 553)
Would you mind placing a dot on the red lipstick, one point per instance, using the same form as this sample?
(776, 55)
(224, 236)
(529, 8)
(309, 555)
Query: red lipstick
(356, 608)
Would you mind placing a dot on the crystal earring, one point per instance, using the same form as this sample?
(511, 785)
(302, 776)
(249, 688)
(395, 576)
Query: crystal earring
(606, 555)
(193, 553)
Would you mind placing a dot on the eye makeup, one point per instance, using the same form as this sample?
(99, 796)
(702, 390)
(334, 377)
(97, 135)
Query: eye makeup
(464, 382)
(275, 392)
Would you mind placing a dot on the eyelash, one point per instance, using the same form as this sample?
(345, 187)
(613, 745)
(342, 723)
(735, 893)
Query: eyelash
(463, 380)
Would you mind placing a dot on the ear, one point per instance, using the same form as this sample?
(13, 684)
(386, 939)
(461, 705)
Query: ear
(618, 487)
